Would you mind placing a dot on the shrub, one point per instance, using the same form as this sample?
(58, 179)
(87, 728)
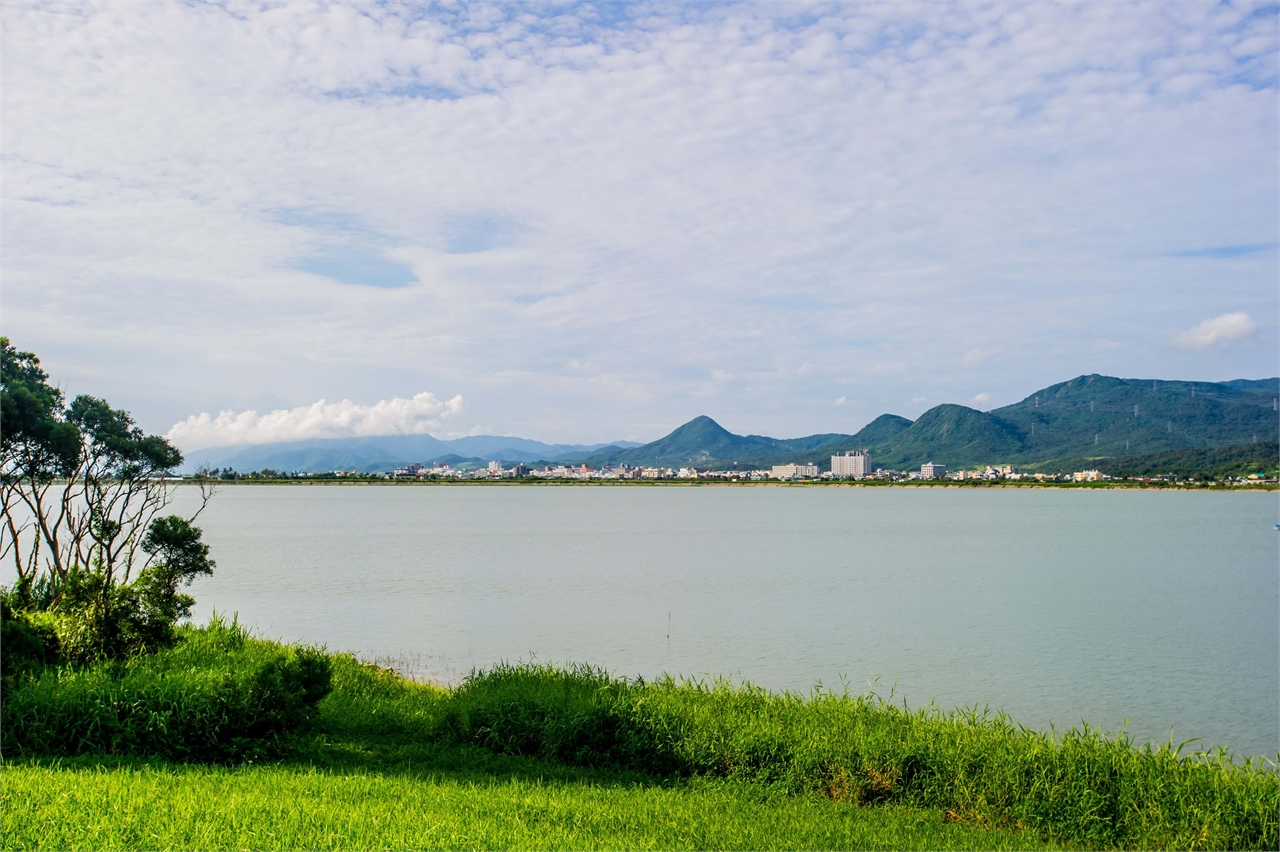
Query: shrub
(978, 768)
(218, 695)
(28, 641)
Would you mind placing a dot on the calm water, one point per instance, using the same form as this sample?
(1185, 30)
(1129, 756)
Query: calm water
(1162, 608)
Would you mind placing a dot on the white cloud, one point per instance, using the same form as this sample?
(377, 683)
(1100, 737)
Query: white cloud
(1211, 331)
(974, 357)
(982, 401)
(658, 193)
(841, 401)
(345, 419)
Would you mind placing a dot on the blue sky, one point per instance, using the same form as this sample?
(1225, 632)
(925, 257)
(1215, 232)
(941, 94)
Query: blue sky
(581, 222)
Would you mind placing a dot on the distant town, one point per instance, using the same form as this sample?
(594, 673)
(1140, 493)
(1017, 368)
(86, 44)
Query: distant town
(850, 465)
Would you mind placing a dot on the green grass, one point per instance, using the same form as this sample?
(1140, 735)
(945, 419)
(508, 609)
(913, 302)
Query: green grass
(538, 757)
(292, 807)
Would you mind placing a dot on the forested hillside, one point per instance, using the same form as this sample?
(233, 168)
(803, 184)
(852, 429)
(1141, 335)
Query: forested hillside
(1087, 417)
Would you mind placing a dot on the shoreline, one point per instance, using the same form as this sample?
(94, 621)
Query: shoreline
(693, 483)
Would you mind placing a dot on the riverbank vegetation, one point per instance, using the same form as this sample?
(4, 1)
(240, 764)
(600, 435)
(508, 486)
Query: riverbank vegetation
(271, 746)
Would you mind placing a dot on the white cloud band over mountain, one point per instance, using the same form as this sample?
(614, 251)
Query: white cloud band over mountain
(1216, 330)
(345, 419)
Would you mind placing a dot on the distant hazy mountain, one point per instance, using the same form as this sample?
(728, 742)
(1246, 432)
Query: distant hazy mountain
(387, 452)
(1087, 417)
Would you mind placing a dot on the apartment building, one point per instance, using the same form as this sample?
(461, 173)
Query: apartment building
(855, 464)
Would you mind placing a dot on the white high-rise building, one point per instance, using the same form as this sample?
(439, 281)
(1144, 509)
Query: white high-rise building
(852, 465)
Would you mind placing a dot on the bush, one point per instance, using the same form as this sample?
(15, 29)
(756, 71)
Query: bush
(978, 768)
(218, 695)
(28, 641)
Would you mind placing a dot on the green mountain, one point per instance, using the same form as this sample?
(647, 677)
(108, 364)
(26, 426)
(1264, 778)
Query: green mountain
(702, 441)
(1105, 416)
(1240, 461)
(1087, 417)
(947, 432)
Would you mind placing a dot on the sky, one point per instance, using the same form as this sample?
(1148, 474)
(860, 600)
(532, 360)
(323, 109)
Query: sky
(251, 222)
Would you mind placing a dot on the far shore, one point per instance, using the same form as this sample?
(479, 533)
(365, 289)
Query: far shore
(700, 483)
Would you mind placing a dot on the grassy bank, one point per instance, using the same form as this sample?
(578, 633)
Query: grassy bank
(520, 757)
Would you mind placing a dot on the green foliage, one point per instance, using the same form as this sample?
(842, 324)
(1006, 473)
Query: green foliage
(120, 449)
(217, 695)
(28, 640)
(296, 807)
(95, 617)
(1218, 464)
(1082, 787)
(36, 437)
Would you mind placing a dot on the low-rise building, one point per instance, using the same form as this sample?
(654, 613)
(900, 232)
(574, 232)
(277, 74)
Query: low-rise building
(794, 471)
(931, 470)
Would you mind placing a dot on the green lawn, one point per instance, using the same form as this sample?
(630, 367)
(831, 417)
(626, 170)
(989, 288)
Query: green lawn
(299, 807)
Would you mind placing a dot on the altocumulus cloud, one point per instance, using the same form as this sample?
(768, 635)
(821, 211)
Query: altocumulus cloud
(345, 419)
(1216, 330)
(549, 202)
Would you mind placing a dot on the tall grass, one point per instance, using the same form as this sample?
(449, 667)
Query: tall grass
(978, 768)
(218, 695)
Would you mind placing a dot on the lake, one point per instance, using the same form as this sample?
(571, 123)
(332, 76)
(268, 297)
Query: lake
(1057, 606)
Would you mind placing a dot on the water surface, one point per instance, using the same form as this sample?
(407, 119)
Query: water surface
(1162, 608)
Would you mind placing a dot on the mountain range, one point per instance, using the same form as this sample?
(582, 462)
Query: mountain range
(1088, 417)
(387, 452)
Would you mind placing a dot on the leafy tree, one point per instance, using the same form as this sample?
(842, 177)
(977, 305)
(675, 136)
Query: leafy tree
(81, 487)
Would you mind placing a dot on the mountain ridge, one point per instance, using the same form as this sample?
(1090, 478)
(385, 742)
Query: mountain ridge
(1091, 416)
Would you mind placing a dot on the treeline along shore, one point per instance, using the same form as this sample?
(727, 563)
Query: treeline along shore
(1151, 484)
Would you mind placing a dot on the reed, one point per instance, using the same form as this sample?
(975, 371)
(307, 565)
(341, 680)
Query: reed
(981, 768)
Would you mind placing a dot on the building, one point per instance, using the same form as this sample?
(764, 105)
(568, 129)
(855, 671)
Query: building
(851, 465)
(495, 467)
(794, 471)
(933, 471)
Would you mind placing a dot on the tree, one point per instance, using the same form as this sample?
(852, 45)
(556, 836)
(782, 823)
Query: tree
(81, 487)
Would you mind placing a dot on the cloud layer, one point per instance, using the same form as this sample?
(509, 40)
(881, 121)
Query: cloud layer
(596, 225)
(417, 416)
(1211, 331)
